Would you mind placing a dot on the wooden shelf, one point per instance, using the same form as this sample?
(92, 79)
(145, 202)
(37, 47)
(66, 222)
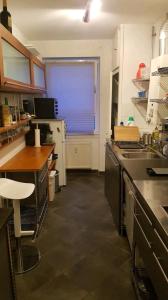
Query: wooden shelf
(13, 139)
(14, 126)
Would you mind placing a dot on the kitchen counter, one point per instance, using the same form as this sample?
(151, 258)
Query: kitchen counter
(29, 159)
(153, 190)
(137, 168)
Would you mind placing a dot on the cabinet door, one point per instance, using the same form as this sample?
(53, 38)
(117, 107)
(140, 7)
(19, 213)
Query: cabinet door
(39, 76)
(16, 65)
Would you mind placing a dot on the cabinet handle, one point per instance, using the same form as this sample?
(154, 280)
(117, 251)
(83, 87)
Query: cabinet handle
(161, 241)
(157, 260)
(142, 210)
(143, 233)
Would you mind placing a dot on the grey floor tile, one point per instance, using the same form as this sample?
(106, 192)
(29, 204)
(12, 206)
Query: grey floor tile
(83, 258)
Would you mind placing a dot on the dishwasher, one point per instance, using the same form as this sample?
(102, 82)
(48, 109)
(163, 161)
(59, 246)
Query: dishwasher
(129, 192)
(113, 186)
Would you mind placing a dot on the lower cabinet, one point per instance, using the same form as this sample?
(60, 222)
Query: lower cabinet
(113, 187)
(7, 280)
(148, 245)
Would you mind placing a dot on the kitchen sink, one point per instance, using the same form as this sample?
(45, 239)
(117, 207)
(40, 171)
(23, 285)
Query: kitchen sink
(141, 155)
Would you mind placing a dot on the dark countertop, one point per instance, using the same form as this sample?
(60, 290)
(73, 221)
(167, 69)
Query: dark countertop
(153, 190)
(4, 215)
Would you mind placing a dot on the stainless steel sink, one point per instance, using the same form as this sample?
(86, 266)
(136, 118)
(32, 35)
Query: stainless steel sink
(141, 155)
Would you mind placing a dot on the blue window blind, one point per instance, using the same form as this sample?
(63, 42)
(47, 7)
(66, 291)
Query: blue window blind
(73, 85)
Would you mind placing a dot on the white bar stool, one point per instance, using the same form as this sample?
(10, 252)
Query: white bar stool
(27, 257)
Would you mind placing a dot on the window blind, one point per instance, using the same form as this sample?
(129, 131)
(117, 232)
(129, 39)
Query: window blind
(73, 85)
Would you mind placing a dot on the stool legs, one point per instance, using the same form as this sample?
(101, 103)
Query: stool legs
(27, 257)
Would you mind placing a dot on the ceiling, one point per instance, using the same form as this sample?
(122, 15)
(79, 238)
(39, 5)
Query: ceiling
(52, 19)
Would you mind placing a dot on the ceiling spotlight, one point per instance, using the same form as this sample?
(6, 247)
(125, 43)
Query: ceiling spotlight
(91, 10)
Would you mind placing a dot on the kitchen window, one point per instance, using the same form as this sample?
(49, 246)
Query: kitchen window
(74, 82)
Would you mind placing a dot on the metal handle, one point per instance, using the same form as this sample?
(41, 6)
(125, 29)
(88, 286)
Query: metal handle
(143, 233)
(160, 240)
(158, 262)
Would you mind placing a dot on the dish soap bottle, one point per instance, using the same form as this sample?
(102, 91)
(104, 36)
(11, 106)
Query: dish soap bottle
(130, 121)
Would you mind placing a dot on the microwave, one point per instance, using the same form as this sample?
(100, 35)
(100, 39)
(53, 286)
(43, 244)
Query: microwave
(46, 108)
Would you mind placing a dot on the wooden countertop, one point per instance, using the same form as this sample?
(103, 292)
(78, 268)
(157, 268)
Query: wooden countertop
(29, 159)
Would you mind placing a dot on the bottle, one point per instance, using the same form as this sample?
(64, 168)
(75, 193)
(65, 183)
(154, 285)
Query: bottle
(155, 135)
(141, 71)
(6, 114)
(5, 17)
(130, 121)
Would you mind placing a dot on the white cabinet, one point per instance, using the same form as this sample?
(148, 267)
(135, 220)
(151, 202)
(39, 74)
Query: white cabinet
(116, 49)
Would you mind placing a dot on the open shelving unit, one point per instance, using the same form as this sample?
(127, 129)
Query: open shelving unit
(11, 133)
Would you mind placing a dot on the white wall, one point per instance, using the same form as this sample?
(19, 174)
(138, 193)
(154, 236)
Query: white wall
(136, 47)
(19, 35)
(87, 48)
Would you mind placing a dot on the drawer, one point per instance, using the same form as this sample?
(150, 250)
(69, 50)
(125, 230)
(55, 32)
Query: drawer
(143, 219)
(153, 237)
(152, 264)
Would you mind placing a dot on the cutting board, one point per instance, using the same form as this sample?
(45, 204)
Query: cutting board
(126, 133)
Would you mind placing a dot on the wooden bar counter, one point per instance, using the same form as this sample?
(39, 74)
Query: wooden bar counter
(30, 159)
(31, 165)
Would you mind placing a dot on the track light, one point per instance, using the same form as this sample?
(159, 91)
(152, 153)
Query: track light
(91, 10)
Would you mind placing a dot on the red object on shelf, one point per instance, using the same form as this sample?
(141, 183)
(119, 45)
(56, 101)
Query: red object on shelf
(140, 71)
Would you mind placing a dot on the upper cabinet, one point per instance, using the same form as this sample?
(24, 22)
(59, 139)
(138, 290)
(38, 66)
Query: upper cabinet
(39, 74)
(116, 49)
(20, 71)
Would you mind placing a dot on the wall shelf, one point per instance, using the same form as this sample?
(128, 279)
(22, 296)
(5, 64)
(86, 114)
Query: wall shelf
(14, 126)
(141, 84)
(159, 101)
(138, 100)
(11, 133)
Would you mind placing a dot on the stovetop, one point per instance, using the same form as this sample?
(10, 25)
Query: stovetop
(129, 145)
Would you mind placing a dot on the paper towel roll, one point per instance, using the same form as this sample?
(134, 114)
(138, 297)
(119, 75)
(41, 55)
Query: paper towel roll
(37, 138)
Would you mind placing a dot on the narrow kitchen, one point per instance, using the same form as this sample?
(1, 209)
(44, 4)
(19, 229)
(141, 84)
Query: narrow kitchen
(84, 150)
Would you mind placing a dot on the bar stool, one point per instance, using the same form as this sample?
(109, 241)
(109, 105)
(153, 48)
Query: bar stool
(26, 256)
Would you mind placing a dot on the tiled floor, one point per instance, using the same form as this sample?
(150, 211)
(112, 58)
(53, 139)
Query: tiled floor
(83, 258)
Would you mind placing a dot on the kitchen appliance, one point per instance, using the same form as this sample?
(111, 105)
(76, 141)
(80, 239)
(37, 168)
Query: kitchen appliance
(129, 145)
(46, 108)
(58, 129)
(113, 186)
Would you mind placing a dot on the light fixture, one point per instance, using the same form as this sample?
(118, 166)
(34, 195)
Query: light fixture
(91, 10)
